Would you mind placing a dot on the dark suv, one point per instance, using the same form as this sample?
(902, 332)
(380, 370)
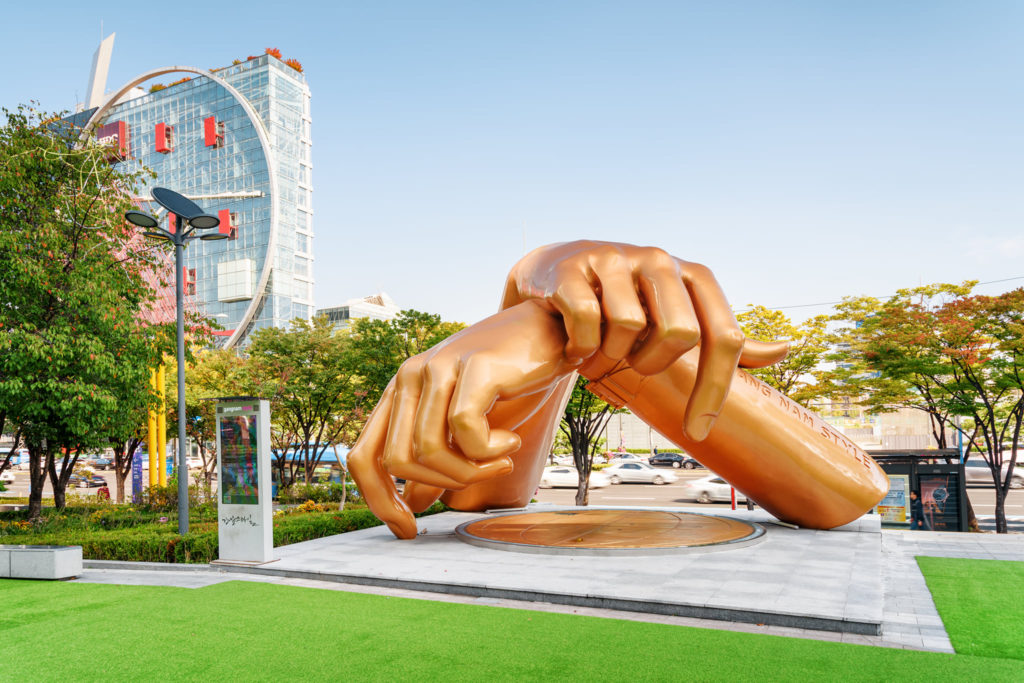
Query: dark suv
(84, 482)
(676, 460)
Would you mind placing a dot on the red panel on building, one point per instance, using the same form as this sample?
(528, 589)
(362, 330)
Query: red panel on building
(164, 138)
(116, 136)
(227, 224)
(172, 222)
(188, 280)
(213, 132)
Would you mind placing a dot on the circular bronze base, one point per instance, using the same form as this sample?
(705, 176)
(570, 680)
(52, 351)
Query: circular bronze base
(609, 532)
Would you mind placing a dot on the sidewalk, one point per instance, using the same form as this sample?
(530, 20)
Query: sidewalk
(857, 585)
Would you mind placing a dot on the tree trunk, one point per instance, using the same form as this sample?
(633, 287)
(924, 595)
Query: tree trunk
(1000, 510)
(119, 477)
(207, 470)
(583, 493)
(37, 479)
(59, 480)
(59, 492)
(344, 489)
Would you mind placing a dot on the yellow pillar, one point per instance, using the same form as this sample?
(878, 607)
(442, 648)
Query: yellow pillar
(161, 424)
(153, 444)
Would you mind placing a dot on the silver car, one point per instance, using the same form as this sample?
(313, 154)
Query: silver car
(637, 473)
(978, 472)
(569, 477)
(711, 488)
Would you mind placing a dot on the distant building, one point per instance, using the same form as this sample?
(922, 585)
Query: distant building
(237, 141)
(377, 307)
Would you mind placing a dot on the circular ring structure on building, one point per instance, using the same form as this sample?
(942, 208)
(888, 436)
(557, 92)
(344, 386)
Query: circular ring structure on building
(261, 133)
(609, 532)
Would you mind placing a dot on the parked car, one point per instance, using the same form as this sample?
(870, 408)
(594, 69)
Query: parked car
(624, 457)
(675, 460)
(102, 463)
(7, 477)
(711, 488)
(86, 481)
(978, 472)
(568, 476)
(637, 473)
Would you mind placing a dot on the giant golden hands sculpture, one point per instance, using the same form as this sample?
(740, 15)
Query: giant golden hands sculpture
(471, 421)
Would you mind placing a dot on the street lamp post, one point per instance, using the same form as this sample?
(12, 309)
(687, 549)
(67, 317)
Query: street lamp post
(186, 214)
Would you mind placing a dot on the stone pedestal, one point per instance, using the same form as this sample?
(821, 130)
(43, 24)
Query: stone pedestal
(52, 562)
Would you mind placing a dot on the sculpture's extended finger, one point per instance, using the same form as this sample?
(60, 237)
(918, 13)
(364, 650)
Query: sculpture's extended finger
(758, 354)
(420, 496)
(673, 328)
(624, 317)
(365, 464)
(475, 393)
(399, 456)
(720, 347)
(575, 299)
(430, 442)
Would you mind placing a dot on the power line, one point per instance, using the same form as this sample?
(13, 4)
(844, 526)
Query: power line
(833, 303)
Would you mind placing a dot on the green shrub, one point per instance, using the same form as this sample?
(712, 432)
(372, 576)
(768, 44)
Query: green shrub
(165, 498)
(127, 533)
(327, 492)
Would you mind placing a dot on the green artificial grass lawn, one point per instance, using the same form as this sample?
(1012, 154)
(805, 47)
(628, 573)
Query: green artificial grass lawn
(241, 631)
(981, 603)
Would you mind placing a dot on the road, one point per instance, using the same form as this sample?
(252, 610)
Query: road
(639, 495)
(20, 486)
(649, 495)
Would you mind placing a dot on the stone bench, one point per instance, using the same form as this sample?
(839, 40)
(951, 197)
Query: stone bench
(40, 561)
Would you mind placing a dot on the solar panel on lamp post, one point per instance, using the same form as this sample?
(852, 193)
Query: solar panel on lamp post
(186, 213)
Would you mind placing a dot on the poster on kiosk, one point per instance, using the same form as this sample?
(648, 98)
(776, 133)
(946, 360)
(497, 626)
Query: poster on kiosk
(244, 508)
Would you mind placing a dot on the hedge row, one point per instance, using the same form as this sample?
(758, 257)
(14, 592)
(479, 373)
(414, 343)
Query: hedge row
(163, 544)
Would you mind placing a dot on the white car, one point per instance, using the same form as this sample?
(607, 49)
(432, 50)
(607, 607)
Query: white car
(568, 476)
(711, 488)
(977, 471)
(7, 477)
(628, 457)
(637, 473)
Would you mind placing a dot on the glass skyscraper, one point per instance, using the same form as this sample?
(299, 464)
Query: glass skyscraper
(237, 141)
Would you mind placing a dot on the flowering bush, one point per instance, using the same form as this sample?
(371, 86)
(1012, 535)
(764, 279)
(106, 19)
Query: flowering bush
(294, 63)
(273, 52)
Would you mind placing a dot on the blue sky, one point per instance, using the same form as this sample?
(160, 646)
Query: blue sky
(803, 150)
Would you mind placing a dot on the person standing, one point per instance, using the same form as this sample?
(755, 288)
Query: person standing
(916, 512)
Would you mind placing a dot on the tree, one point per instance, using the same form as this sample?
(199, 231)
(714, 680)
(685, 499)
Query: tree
(314, 389)
(801, 375)
(209, 374)
(584, 419)
(901, 377)
(71, 339)
(379, 347)
(962, 355)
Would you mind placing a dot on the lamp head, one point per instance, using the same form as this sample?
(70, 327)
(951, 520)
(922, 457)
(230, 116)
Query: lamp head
(141, 219)
(204, 221)
(213, 236)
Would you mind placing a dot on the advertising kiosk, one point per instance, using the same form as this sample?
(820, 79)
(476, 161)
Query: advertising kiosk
(244, 503)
